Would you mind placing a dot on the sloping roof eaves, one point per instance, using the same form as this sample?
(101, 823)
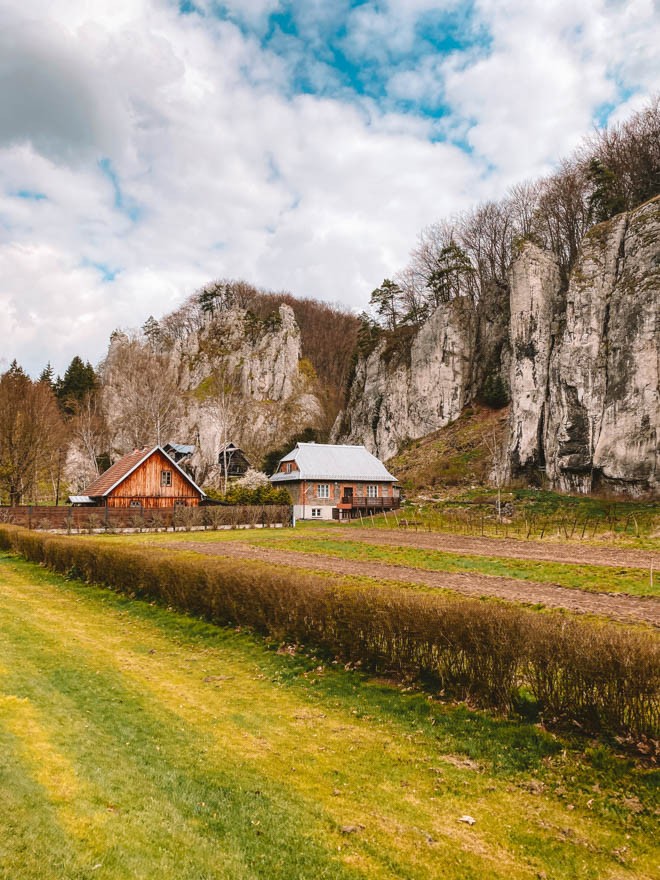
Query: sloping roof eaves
(325, 461)
(120, 470)
(360, 478)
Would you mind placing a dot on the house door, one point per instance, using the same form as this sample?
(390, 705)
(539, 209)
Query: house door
(348, 495)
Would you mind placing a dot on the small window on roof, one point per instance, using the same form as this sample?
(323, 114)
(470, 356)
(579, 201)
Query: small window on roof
(166, 478)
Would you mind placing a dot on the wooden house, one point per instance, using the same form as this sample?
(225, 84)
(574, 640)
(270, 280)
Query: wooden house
(144, 478)
(233, 459)
(328, 481)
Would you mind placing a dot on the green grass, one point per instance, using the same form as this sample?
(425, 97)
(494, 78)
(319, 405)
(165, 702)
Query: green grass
(543, 515)
(136, 742)
(593, 578)
(581, 577)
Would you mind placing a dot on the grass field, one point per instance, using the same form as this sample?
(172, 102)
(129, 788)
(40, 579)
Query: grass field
(140, 743)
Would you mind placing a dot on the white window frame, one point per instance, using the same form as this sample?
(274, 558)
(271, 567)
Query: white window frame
(323, 490)
(316, 513)
(372, 491)
(166, 478)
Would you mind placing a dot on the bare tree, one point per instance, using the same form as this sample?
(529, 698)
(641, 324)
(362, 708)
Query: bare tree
(499, 465)
(89, 430)
(222, 403)
(141, 395)
(31, 433)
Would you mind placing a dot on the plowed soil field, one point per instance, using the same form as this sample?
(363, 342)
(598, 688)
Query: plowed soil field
(616, 606)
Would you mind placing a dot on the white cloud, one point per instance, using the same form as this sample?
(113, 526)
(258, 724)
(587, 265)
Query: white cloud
(215, 167)
(549, 68)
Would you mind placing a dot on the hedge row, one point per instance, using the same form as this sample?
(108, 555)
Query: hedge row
(604, 676)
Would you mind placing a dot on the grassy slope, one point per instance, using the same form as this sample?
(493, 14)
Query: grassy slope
(594, 578)
(140, 743)
(452, 466)
(456, 455)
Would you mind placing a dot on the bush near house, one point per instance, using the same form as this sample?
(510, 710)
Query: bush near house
(602, 676)
(237, 494)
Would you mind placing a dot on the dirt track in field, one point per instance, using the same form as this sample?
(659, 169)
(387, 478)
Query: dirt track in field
(510, 548)
(616, 606)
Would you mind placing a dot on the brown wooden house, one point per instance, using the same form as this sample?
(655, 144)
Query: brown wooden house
(146, 477)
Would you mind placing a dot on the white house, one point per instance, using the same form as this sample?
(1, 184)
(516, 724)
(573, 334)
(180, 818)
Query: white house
(332, 481)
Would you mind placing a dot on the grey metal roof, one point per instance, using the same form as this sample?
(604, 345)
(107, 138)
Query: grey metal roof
(81, 499)
(181, 448)
(327, 461)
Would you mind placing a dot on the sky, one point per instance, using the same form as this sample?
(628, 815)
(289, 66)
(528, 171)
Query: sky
(148, 147)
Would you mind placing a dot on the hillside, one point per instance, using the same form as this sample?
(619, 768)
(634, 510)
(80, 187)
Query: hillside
(458, 456)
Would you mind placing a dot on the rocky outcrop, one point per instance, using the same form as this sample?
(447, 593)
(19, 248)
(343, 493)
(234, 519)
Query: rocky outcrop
(582, 365)
(535, 283)
(230, 378)
(403, 393)
(603, 397)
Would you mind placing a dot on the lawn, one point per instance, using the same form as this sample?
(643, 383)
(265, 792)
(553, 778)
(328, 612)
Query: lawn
(141, 743)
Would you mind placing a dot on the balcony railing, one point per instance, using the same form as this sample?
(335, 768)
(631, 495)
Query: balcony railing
(364, 502)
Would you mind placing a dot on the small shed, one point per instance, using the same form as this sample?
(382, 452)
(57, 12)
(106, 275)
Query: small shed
(146, 477)
(232, 461)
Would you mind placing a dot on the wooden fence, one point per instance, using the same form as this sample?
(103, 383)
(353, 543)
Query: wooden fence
(89, 519)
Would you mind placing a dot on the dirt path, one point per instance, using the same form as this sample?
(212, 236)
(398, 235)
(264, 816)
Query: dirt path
(577, 554)
(618, 607)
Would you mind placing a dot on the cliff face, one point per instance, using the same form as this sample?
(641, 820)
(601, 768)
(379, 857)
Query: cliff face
(402, 395)
(603, 398)
(232, 378)
(534, 286)
(581, 365)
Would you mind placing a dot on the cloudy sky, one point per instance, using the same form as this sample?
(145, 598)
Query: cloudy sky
(149, 146)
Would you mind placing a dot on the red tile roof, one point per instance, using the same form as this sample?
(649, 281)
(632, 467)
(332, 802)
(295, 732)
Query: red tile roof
(117, 472)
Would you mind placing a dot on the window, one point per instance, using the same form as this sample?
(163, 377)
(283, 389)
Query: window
(372, 491)
(316, 512)
(166, 478)
(323, 490)
(135, 504)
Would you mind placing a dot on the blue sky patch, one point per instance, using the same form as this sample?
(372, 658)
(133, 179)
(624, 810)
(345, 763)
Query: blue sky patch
(106, 272)
(30, 195)
(188, 8)
(123, 203)
(350, 50)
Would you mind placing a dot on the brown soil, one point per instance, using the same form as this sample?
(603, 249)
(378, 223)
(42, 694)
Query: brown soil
(616, 606)
(511, 548)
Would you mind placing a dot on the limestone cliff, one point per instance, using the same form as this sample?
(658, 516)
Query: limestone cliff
(581, 365)
(227, 377)
(603, 397)
(535, 283)
(403, 394)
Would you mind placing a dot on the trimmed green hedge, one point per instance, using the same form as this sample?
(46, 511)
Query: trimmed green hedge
(604, 676)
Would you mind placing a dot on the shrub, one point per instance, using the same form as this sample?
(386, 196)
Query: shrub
(601, 675)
